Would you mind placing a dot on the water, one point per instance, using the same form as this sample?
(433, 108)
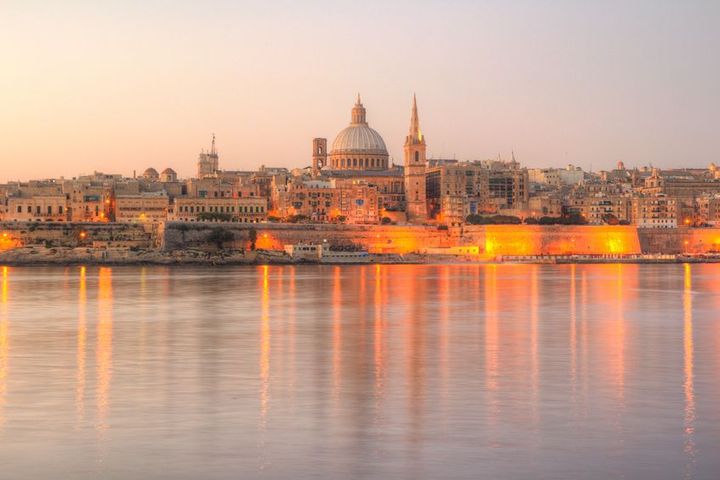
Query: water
(412, 372)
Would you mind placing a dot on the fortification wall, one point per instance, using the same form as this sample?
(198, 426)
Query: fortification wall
(491, 240)
(73, 235)
(376, 238)
(680, 240)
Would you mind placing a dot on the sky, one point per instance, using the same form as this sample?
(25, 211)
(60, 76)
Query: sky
(119, 86)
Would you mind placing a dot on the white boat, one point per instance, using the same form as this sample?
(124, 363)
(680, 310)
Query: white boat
(324, 254)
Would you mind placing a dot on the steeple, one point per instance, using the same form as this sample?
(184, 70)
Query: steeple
(415, 135)
(212, 147)
(415, 165)
(358, 113)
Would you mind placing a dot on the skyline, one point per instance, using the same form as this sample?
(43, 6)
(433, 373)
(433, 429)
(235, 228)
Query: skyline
(119, 88)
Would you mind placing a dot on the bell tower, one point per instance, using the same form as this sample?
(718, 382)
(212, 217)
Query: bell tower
(319, 156)
(415, 161)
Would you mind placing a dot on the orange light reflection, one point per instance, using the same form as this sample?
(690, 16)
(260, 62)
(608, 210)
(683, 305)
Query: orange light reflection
(104, 346)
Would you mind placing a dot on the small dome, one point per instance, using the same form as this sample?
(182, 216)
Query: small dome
(151, 173)
(169, 171)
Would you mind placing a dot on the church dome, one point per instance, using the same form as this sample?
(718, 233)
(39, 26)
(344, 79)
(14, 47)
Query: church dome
(358, 147)
(151, 173)
(358, 139)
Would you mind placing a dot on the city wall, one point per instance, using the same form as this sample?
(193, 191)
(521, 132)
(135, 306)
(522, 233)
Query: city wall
(62, 234)
(491, 240)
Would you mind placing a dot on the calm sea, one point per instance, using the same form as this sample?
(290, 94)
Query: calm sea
(379, 372)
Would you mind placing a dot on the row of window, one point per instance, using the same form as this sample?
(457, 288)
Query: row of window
(38, 210)
(359, 162)
(221, 209)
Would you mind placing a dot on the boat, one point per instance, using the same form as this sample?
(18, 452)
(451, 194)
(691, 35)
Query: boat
(324, 253)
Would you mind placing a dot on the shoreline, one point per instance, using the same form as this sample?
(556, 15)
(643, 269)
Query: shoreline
(65, 256)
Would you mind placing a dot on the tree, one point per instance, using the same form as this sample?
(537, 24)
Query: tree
(610, 219)
(386, 221)
(214, 216)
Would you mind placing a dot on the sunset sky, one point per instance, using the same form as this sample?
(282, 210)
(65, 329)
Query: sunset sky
(118, 86)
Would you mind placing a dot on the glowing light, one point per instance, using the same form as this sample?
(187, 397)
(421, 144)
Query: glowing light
(4, 341)
(104, 346)
(267, 242)
(81, 346)
(264, 346)
(689, 383)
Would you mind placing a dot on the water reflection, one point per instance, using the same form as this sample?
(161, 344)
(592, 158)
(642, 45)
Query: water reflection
(491, 341)
(689, 382)
(378, 339)
(518, 371)
(4, 341)
(264, 346)
(104, 345)
(337, 334)
(81, 347)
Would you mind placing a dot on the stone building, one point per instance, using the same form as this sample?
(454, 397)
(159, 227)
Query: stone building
(458, 189)
(600, 208)
(145, 207)
(654, 210)
(357, 201)
(245, 210)
(37, 208)
(89, 199)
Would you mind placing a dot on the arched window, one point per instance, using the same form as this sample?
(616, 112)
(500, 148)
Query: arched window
(417, 156)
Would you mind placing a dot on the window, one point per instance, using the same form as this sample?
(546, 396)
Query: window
(49, 209)
(417, 156)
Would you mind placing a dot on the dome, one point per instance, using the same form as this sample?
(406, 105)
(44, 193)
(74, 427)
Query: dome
(151, 173)
(358, 139)
(169, 171)
(358, 147)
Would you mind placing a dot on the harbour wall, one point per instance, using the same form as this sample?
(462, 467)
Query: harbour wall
(490, 240)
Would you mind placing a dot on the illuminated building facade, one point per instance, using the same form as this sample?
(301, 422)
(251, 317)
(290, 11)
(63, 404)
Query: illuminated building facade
(244, 210)
(37, 208)
(146, 207)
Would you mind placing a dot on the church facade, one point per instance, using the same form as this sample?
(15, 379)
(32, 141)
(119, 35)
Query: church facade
(359, 154)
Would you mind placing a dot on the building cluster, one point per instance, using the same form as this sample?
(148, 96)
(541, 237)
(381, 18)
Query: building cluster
(355, 181)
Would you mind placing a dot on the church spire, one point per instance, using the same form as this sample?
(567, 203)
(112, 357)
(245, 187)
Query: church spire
(415, 135)
(212, 147)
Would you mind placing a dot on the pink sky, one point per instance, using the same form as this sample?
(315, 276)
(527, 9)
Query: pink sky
(120, 86)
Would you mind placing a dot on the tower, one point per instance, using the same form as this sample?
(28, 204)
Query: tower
(208, 163)
(319, 156)
(414, 150)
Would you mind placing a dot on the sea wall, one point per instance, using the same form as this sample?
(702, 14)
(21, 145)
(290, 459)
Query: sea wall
(376, 238)
(680, 240)
(490, 240)
(61, 234)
